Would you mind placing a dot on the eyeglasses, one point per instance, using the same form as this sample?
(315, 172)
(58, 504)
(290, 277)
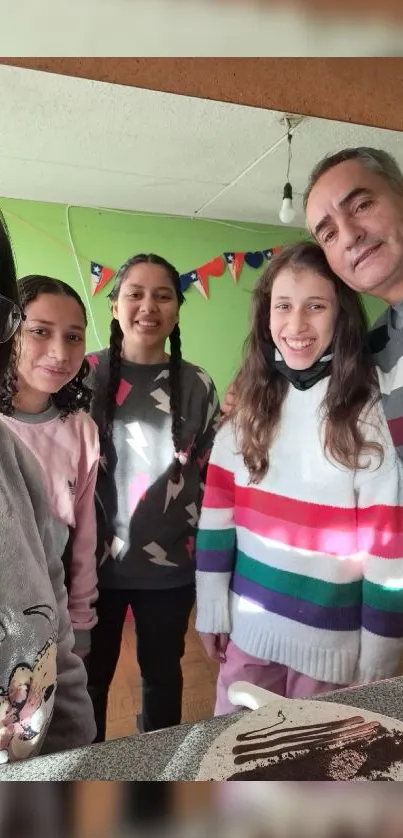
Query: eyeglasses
(10, 318)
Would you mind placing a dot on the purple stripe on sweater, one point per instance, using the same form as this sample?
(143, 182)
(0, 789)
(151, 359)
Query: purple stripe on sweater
(215, 561)
(383, 623)
(308, 613)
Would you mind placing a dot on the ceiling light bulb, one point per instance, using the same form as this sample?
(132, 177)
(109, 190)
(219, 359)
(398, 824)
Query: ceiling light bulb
(287, 212)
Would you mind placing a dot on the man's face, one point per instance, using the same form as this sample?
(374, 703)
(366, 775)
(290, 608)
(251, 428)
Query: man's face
(357, 219)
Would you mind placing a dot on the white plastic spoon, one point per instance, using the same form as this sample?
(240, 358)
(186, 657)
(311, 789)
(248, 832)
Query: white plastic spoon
(248, 695)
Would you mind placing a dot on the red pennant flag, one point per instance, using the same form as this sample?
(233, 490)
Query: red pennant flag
(235, 262)
(201, 285)
(214, 268)
(100, 276)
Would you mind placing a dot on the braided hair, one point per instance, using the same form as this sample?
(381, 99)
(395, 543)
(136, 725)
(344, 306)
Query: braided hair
(73, 396)
(175, 361)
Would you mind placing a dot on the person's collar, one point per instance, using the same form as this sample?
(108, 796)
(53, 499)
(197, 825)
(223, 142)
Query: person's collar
(300, 379)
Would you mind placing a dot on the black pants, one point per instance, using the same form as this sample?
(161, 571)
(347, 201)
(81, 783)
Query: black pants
(161, 619)
(148, 806)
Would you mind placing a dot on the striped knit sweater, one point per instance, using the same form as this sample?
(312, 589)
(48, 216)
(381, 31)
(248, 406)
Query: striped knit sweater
(306, 567)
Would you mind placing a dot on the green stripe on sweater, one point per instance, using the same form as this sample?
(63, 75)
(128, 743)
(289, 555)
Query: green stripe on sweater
(382, 598)
(216, 539)
(298, 586)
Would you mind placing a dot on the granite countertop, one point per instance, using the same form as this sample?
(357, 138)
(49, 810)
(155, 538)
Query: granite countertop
(175, 753)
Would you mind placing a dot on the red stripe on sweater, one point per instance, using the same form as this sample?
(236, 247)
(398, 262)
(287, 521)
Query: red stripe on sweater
(220, 488)
(384, 518)
(377, 530)
(353, 538)
(335, 541)
(297, 511)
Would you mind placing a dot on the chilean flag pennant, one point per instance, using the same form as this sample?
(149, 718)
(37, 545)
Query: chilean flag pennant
(201, 284)
(100, 276)
(235, 262)
(187, 279)
(215, 267)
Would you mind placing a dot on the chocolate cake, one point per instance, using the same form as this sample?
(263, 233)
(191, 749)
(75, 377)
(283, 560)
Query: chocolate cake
(350, 749)
(307, 741)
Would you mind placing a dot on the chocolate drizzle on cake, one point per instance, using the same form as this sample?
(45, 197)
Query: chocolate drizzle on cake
(342, 750)
(300, 738)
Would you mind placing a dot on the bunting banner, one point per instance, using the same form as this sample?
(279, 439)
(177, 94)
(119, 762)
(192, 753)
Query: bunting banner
(234, 260)
(100, 276)
(199, 277)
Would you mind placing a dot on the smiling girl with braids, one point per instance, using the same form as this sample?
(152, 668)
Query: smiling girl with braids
(157, 416)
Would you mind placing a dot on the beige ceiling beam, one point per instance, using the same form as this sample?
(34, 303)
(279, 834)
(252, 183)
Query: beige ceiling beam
(368, 91)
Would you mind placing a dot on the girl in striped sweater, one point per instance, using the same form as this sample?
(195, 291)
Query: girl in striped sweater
(300, 542)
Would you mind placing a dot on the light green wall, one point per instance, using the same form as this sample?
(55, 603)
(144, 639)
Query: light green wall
(212, 330)
(374, 307)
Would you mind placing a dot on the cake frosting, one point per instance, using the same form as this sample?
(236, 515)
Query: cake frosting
(307, 741)
(348, 749)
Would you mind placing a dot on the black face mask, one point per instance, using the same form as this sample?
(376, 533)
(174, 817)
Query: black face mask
(300, 379)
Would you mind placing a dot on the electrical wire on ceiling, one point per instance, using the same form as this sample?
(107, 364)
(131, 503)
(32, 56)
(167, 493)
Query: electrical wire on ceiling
(248, 169)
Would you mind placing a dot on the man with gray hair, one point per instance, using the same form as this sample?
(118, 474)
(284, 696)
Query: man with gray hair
(354, 210)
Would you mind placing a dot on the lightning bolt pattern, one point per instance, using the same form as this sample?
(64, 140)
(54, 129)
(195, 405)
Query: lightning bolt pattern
(149, 521)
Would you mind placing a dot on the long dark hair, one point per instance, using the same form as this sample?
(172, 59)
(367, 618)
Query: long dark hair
(8, 288)
(74, 396)
(260, 389)
(175, 360)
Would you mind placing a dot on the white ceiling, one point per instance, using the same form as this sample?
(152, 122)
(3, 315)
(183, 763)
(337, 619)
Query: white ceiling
(192, 28)
(85, 143)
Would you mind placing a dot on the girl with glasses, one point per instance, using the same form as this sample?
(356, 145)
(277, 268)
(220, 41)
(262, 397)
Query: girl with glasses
(11, 317)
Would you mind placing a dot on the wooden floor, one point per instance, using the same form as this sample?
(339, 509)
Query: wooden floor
(97, 804)
(200, 675)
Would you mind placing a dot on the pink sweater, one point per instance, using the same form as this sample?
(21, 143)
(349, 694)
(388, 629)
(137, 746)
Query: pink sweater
(68, 452)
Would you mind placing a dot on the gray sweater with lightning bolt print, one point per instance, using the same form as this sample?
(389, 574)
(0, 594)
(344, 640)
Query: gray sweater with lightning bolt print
(146, 523)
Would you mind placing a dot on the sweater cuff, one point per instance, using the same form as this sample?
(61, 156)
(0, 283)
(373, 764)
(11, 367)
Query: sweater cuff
(213, 615)
(379, 658)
